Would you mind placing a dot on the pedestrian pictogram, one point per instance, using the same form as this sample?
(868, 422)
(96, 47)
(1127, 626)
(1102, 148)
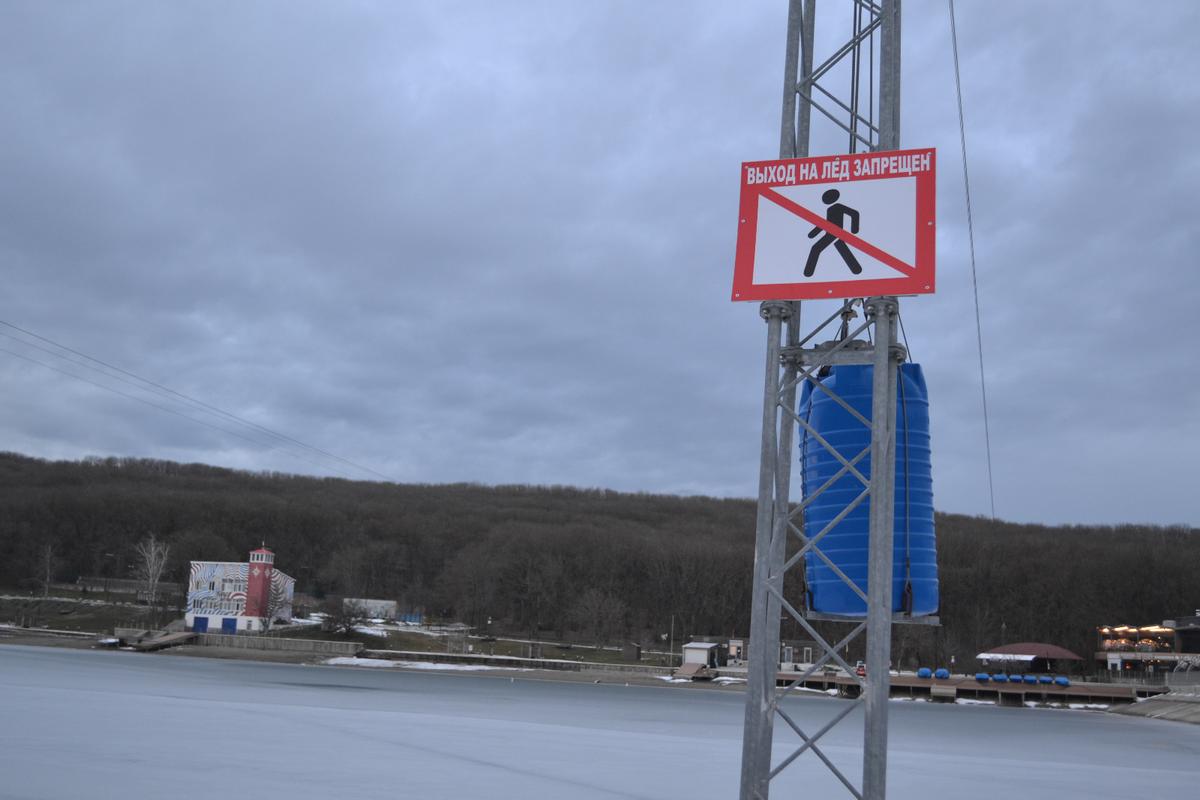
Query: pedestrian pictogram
(836, 226)
(836, 214)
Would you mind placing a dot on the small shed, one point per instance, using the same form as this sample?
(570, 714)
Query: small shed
(706, 654)
(701, 659)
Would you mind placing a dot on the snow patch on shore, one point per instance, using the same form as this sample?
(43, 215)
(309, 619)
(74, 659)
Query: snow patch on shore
(352, 661)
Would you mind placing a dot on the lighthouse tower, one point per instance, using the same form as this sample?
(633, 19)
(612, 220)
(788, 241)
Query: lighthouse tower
(258, 585)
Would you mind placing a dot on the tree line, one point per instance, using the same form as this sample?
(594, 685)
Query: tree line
(559, 562)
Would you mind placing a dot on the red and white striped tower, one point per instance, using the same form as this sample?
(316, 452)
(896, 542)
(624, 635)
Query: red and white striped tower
(258, 582)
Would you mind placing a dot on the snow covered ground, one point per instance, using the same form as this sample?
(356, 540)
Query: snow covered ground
(352, 661)
(78, 723)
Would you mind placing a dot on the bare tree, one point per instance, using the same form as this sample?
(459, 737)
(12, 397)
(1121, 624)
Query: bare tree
(152, 562)
(600, 613)
(48, 563)
(277, 602)
(343, 616)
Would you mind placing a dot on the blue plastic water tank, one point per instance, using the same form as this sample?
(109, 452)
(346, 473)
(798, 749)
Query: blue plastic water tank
(982, 677)
(924, 672)
(942, 674)
(914, 579)
(1000, 677)
(1045, 679)
(1062, 681)
(1031, 679)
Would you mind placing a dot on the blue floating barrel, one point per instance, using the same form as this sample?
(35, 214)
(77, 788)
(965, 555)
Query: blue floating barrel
(942, 674)
(1031, 679)
(1062, 681)
(914, 577)
(1045, 679)
(982, 677)
(1000, 677)
(924, 672)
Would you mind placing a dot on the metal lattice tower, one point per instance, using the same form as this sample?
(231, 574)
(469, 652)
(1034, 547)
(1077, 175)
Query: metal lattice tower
(872, 55)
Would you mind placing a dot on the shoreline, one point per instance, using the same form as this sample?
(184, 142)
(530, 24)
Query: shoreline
(23, 637)
(20, 636)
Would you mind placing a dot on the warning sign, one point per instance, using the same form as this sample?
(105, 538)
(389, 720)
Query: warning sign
(836, 226)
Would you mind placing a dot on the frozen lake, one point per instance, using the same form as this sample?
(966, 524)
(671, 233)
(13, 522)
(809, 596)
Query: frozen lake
(78, 723)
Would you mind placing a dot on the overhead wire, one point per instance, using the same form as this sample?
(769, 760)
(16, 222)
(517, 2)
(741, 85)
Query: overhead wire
(283, 441)
(167, 409)
(138, 386)
(962, 135)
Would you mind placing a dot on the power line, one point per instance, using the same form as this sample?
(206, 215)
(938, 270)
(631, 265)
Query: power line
(962, 135)
(162, 408)
(47, 350)
(145, 384)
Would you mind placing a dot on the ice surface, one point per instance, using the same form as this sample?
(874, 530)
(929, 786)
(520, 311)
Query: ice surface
(100, 724)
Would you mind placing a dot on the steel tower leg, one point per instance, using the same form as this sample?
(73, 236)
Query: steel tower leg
(774, 479)
(883, 452)
(760, 676)
(879, 560)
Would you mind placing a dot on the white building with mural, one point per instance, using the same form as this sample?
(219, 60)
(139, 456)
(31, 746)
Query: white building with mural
(231, 596)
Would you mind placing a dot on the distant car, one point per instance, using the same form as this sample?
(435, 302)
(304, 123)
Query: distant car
(860, 669)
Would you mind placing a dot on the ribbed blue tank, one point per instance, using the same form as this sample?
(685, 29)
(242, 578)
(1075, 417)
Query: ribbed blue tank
(914, 582)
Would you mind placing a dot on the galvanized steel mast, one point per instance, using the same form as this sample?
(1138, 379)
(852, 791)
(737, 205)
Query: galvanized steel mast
(788, 364)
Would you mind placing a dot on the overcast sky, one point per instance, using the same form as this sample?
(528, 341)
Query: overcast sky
(493, 242)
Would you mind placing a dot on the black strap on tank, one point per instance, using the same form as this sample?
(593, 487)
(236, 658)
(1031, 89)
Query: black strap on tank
(908, 588)
(805, 589)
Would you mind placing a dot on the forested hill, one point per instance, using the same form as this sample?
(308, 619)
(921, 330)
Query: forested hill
(550, 558)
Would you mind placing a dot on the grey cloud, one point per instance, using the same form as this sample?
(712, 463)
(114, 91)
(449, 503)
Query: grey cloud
(489, 242)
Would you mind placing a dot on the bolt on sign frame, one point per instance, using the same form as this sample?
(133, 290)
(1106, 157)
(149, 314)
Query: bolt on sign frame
(791, 360)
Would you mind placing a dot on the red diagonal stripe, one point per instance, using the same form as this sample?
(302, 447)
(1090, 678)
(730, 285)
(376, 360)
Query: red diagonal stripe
(841, 233)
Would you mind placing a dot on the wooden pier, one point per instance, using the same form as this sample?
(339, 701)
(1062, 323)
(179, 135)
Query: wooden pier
(966, 687)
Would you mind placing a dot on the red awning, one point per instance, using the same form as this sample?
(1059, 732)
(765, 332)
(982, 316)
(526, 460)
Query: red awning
(1036, 650)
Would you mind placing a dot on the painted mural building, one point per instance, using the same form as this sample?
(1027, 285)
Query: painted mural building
(231, 596)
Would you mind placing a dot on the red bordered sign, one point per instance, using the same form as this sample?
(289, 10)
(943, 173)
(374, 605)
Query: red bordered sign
(837, 226)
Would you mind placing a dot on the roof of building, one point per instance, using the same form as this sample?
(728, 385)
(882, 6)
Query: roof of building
(1132, 630)
(276, 570)
(1027, 651)
(1183, 623)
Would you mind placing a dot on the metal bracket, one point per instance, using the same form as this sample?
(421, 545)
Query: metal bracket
(829, 354)
(897, 619)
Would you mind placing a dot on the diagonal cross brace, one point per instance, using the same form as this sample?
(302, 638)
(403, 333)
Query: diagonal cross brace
(818, 638)
(829, 63)
(841, 473)
(853, 504)
(821, 662)
(833, 118)
(810, 743)
(854, 115)
(832, 566)
(807, 374)
(832, 450)
(832, 317)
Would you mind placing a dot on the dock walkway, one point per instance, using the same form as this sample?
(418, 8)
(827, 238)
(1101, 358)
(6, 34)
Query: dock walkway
(163, 642)
(964, 686)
